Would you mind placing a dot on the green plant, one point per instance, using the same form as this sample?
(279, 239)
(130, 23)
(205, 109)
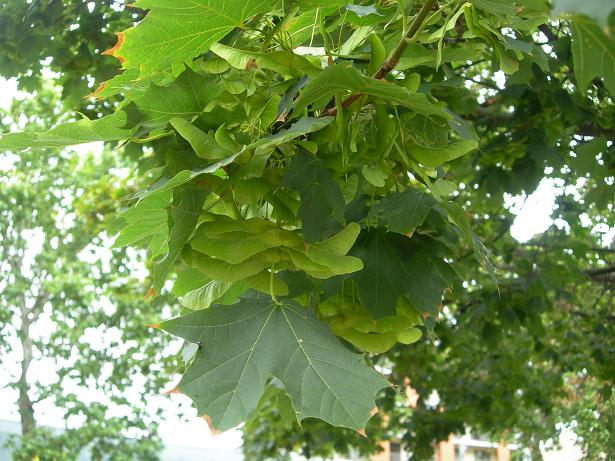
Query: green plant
(307, 154)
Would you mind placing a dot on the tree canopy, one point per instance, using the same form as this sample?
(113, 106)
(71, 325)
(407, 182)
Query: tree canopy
(321, 179)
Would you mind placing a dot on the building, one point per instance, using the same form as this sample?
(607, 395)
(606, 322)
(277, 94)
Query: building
(456, 448)
(170, 452)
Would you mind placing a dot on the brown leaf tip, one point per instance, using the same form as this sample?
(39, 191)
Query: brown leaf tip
(213, 430)
(152, 325)
(112, 51)
(150, 293)
(362, 432)
(95, 93)
(175, 390)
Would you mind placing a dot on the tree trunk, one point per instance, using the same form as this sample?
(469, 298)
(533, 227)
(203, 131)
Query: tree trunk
(26, 406)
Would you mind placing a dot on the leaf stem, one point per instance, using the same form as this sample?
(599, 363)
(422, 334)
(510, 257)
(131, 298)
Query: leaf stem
(271, 287)
(279, 26)
(388, 65)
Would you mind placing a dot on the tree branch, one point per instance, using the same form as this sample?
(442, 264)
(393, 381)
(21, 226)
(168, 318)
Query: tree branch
(602, 274)
(393, 60)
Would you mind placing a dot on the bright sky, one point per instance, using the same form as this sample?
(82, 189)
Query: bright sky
(533, 216)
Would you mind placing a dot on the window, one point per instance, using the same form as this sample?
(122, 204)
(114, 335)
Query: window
(395, 452)
(482, 455)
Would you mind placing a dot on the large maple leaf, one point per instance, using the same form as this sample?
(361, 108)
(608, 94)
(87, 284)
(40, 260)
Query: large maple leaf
(245, 345)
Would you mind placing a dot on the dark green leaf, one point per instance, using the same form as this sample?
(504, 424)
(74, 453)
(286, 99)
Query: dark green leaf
(321, 199)
(245, 344)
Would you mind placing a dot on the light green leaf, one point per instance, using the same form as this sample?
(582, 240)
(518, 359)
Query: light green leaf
(212, 292)
(409, 335)
(263, 282)
(222, 271)
(436, 156)
(598, 10)
(176, 31)
(185, 217)
(185, 97)
(186, 175)
(148, 217)
(443, 188)
(341, 243)
(300, 128)
(374, 175)
(504, 8)
(109, 128)
(188, 280)
(204, 145)
(236, 247)
(282, 62)
(593, 54)
(337, 264)
(458, 216)
(419, 55)
(344, 79)
(243, 345)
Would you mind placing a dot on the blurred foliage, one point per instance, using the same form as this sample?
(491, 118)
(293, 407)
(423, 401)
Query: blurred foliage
(75, 304)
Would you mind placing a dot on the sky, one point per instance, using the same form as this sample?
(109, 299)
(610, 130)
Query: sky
(532, 217)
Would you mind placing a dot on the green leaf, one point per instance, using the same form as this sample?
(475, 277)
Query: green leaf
(598, 10)
(193, 27)
(443, 188)
(188, 280)
(341, 243)
(436, 156)
(186, 97)
(109, 128)
(344, 79)
(374, 175)
(245, 344)
(321, 199)
(593, 54)
(282, 62)
(300, 128)
(409, 335)
(504, 8)
(397, 265)
(237, 246)
(204, 145)
(419, 55)
(218, 269)
(147, 218)
(185, 217)
(213, 292)
(184, 176)
(482, 253)
(402, 212)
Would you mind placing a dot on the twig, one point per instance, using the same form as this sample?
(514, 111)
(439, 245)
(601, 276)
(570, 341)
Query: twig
(393, 60)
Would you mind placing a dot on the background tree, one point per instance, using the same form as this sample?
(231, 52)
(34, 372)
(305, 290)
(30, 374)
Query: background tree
(64, 38)
(72, 309)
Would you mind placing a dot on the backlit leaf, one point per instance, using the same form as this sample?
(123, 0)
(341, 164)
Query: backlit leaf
(593, 54)
(175, 31)
(345, 79)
